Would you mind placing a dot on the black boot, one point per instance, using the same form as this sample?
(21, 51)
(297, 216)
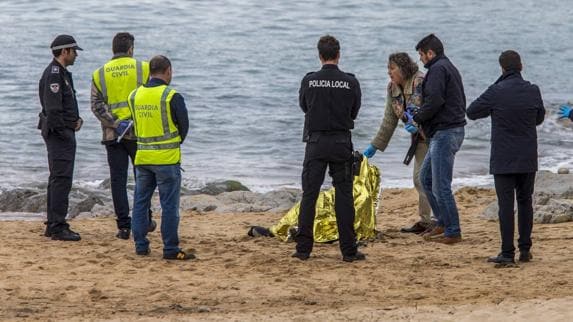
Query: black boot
(123, 233)
(356, 257)
(66, 235)
(501, 259)
(525, 256)
(301, 256)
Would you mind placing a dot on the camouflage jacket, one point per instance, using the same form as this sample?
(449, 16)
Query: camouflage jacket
(108, 122)
(396, 101)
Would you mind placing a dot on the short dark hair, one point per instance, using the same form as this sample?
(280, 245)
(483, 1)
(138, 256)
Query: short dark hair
(405, 63)
(58, 52)
(430, 42)
(122, 42)
(158, 64)
(510, 60)
(328, 47)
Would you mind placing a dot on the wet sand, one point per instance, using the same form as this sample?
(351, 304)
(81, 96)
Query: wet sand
(240, 278)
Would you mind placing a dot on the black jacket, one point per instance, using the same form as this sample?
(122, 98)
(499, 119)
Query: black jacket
(516, 108)
(444, 98)
(330, 100)
(58, 98)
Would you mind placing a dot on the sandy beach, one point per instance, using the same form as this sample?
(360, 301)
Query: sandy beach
(240, 278)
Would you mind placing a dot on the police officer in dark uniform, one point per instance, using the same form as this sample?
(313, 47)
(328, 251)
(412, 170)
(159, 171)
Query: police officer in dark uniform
(330, 100)
(59, 120)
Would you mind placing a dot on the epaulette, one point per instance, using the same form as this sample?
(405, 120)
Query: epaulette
(309, 73)
(350, 74)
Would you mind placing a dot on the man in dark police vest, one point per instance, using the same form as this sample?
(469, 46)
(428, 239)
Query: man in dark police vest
(330, 100)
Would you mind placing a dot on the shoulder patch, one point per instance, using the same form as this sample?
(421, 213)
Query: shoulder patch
(55, 70)
(55, 87)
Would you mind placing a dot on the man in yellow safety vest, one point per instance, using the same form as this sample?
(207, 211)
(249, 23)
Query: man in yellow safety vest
(111, 85)
(161, 124)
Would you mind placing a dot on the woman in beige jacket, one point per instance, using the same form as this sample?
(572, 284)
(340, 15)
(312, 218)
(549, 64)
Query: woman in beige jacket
(403, 98)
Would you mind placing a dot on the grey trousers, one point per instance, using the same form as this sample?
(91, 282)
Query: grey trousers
(424, 209)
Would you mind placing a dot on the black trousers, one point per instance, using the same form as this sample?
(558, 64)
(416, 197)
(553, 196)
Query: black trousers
(507, 187)
(118, 158)
(61, 148)
(335, 152)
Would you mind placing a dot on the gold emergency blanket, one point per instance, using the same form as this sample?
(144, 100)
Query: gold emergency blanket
(366, 192)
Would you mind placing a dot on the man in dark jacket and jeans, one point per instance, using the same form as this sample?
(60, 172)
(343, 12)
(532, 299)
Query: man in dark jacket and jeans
(442, 118)
(515, 107)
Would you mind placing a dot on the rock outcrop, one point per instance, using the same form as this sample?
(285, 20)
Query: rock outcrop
(219, 197)
(242, 201)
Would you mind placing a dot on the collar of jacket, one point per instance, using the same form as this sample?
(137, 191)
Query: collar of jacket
(329, 66)
(433, 61)
(396, 91)
(55, 61)
(153, 82)
(508, 74)
(120, 55)
(65, 71)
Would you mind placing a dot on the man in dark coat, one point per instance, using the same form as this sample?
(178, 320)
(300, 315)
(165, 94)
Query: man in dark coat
(442, 118)
(516, 108)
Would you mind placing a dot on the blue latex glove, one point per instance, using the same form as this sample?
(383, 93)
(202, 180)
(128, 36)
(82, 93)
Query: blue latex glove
(121, 127)
(564, 111)
(409, 116)
(412, 109)
(411, 128)
(370, 151)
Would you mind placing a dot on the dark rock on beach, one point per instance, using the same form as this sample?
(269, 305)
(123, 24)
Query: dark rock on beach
(218, 187)
(19, 200)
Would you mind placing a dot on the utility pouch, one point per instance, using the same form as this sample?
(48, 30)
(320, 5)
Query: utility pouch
(41, 121)
(356, 162)
(43, 124)
(412, 149)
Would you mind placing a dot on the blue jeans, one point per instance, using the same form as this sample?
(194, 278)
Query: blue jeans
(168, 179)
(436, 178)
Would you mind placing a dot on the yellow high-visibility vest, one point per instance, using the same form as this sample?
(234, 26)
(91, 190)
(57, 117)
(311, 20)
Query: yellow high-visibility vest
(157, 136)
(116, 79)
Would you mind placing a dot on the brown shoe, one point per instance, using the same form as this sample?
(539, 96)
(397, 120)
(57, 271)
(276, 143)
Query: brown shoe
(449, 240)
(437, 231)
